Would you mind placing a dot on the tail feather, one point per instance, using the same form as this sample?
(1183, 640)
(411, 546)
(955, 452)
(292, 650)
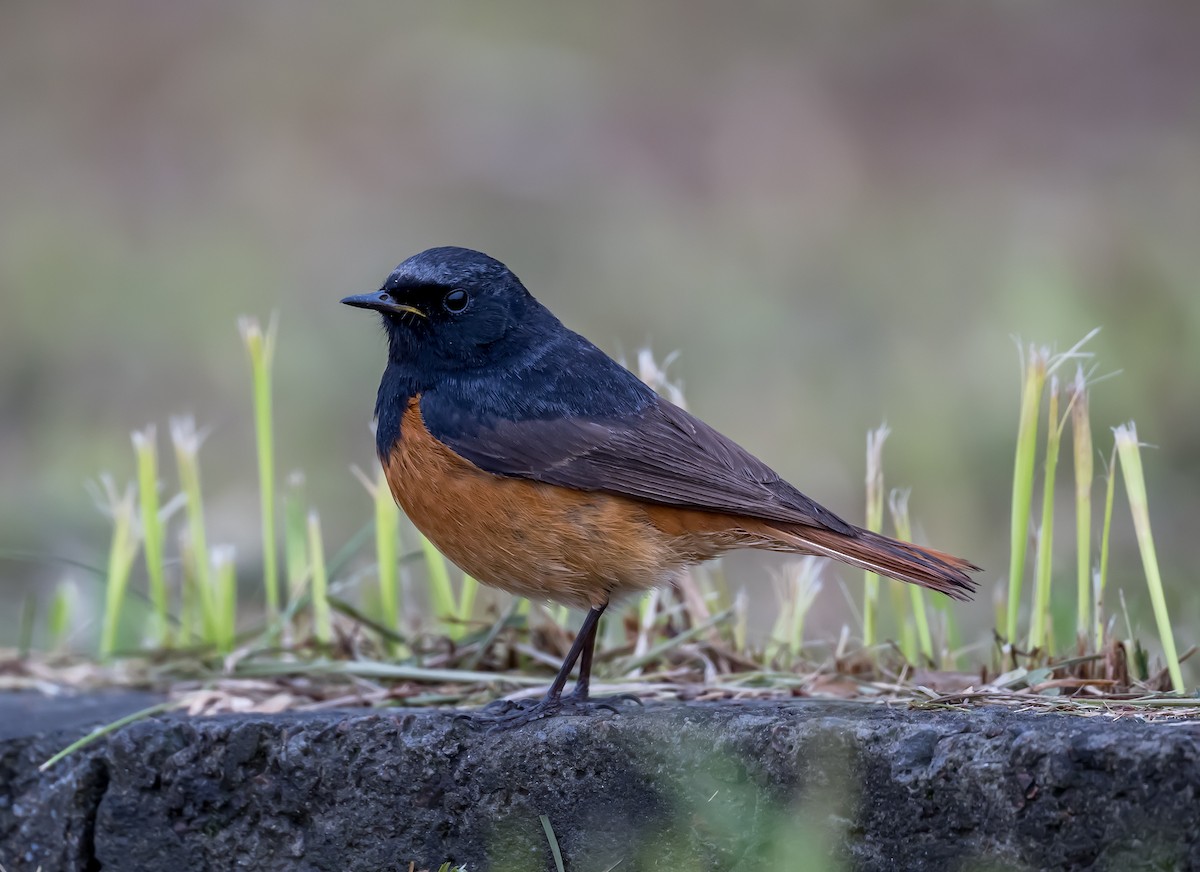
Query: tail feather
(903, 561)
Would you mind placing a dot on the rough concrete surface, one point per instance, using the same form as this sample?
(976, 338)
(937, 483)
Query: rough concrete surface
(796, 785)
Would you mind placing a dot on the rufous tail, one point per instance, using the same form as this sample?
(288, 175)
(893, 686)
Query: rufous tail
(891, 557)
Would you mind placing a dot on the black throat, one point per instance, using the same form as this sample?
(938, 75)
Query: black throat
(398, 385)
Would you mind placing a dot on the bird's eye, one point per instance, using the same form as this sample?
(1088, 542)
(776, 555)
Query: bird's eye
(455, 301)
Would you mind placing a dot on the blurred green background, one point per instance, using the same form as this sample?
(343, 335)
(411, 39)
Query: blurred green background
(839, 213)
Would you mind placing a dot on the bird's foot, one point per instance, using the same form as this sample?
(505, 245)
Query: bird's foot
(505, 714)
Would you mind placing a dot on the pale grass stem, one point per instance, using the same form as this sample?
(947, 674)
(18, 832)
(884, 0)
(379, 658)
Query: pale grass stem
(387, 534)
(797, 585)
(741, 619)
(648, 609)
(1040, 624)
(699, 586)
(1000, 610)
(260, 346)
(224, 575)
(1033, 367)
(466, 600)
(806, 585)
(1101, 578)
(1081, 432)
(874, 523)
(612, 632)
(145, 446)
(898, 508)
(560, 616)
(441, 593)
(1037, 364)
(321, 615)
(63, 608)
(26, 624)
(187, 442)
(454, 612)
(122, 551)
(1139, 504)
(656, 378)
(295, 537)
(295, 555)
(190, 619)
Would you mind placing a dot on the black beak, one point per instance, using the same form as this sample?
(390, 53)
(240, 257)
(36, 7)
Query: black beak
(381, 301)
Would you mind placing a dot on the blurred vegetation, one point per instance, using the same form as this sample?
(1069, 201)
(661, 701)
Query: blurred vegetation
(839, 213)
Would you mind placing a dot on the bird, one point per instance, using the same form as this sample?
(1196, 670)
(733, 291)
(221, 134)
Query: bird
(540, 466)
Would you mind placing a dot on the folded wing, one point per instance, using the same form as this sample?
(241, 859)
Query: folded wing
(660, 454)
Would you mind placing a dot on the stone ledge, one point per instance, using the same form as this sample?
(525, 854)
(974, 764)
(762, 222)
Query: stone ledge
(667, 787)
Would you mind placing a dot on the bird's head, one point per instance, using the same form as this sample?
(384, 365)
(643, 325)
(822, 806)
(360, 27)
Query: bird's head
(452, 309)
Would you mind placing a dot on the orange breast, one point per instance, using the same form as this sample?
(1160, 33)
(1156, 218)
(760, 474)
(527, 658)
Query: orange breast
(542, 541)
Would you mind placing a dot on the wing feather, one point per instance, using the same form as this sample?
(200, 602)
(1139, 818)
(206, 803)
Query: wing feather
(659, 454)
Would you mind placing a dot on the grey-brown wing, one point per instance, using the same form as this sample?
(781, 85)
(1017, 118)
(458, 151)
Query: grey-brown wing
(660, 454)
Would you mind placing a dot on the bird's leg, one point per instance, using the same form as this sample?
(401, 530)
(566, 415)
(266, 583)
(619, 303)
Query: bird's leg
(579, 695)
(582, 650)
(580, 692)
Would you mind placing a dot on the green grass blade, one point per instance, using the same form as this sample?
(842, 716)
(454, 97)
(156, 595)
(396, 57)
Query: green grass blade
(389, 636)
(1033, 381)
(466, 600)
(387, 538)
(322, 621)
(121, 553)
(189, 609)
(224, 576)
(1105, 538)
(441, 593)
(25, 626)
(61, 619)
(778, 637)
(561, 615)
(553, 840)
(898, 507)
(1139, 504)
(354, 544)
(806, 586)
(261, 348)
(187, 443)
(295, 537)
(1040, 622)
(741, 621)
(1081, 434)
(1081, 431)
(105, 730)
(145, 445)
(874, 523)
(797, 585)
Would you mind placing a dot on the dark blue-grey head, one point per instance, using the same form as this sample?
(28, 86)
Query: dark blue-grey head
(454, 308)
(449, 265)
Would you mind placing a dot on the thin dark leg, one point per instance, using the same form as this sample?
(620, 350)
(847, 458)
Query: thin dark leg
(580, 692)
(514, 714)
(582, 647)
